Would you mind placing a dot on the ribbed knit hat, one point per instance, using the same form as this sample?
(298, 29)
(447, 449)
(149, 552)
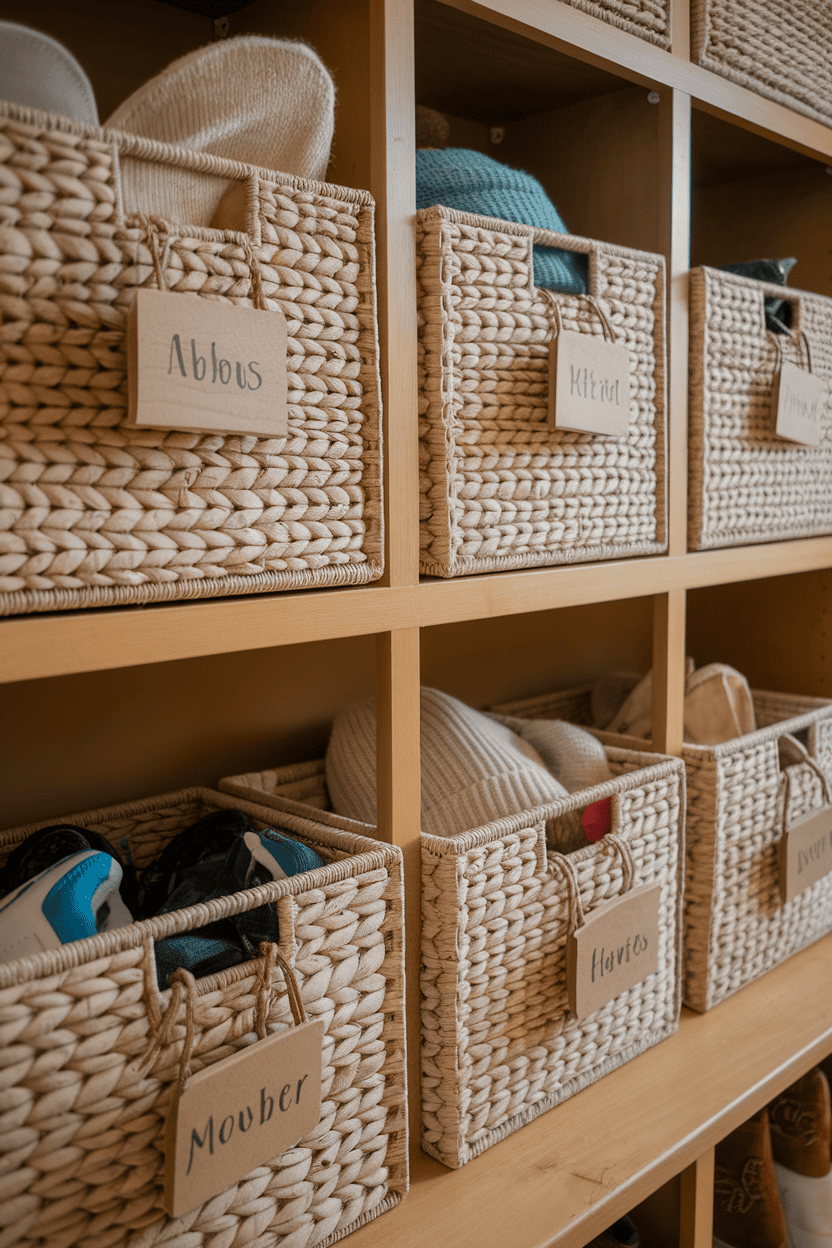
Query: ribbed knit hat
(38, 72)
(470, 181)
(474, 770)
(570, 753)
(265, 102)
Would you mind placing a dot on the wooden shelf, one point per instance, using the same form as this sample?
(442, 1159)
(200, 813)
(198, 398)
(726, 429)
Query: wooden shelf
(61, 643)
(569, 1174)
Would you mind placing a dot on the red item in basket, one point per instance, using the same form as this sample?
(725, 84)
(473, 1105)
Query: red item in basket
(597, 818)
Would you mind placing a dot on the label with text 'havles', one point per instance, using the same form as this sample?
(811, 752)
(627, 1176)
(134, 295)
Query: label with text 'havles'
(589, 385)
(204, 366)
(806, 852)
(615, 949)
(798, 399)
(241, 1113)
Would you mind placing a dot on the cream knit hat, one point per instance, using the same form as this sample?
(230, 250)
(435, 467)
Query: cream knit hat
(474, 770)
(265, 102)
(570, 753)
(38, 72)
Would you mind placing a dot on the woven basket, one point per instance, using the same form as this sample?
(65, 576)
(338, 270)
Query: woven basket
(782, 50)
(650, 19)
(499, 488)
(83, 1116)
(736, 927)
(498, 1044)
(96, 512)
(746, 484)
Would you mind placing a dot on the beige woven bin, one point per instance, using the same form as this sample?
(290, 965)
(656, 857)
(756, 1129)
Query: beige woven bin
(782, 51)
(498, 1044)
(745, 483)
(94, 512)
(499, 488)
(91, 1053)
(736, 927)
(650, 19)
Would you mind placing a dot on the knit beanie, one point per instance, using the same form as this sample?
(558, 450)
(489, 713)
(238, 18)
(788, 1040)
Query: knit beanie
(265, 102)
(469, 181)
(38, 72)
(570, 753)
(474, 770)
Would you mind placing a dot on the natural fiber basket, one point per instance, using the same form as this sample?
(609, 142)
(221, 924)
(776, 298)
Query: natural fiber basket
(782, 51)
(91, 1052)
(499, 488)
(96, 512)
(650, 19)
(736, 926)
(745, 483)
(498, 1044)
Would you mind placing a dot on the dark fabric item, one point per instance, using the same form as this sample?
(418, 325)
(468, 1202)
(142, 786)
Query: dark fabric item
(208, 838)
(205, 952)
(49, 845)
(624, 1232)
(778, 311)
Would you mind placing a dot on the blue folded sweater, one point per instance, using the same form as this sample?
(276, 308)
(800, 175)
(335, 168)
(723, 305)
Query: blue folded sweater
(468, 181)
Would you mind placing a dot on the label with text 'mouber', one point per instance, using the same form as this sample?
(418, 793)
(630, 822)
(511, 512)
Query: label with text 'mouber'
(240, 1113)
(615, 949)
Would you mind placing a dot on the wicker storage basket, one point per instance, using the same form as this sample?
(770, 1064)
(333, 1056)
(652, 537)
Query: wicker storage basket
(96, 512)
(91, 1052)
(782, 51)
(736, 927)
(650, 19)
(746, 484)
(498, 1044)
(499, 488)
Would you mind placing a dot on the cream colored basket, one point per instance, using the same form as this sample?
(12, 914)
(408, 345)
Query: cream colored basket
(782, 50)
(498, 1044)
(92, 1050)
(736, 927)
(746, 484)
(650, 19)
(499, 488)
(95, 512)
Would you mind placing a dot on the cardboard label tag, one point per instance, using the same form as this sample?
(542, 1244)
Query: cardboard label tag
(806, 852)
(242, 1112)
(797, 402)
(589, 385)
(205, 366)
(617, 947)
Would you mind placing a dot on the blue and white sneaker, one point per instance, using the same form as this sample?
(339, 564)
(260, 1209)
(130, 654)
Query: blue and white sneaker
(74, 898)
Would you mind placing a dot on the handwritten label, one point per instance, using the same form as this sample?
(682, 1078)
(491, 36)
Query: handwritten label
(798, 400)
(589, 385)
(240, 1113)
(615, 949)
(205, 366)
(806, 853)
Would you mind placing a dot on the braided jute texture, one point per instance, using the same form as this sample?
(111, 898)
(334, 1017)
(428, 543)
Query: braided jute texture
(90, 1055)
(499, 488)
(498, 1044)
(650, 19)
(735, 926)
(782, 50)
(95, 512)
(745, 483)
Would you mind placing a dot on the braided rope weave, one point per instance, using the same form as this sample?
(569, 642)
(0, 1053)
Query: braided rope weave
(736, 927)
(745, 483)
(91, 1054)
(498, 1044)
(95, 512)
(650, 19)
(499, 488)
(782, 51)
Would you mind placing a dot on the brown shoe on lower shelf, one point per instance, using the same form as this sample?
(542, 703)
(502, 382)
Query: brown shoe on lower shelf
(747, 1209)
(801, 1143)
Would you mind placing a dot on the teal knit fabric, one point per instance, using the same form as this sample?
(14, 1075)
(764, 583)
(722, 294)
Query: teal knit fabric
(471, 182)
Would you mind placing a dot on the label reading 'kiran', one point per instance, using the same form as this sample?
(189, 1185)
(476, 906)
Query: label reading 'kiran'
(806, 852)
(615, 949)
(798, 405)
(240, 1113)
(205, 366)
(589, 385)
